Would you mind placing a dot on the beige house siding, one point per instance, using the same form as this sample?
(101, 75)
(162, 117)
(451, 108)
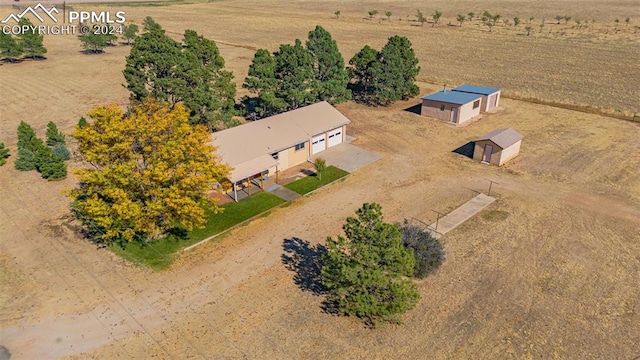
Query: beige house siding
(433, 108)
(485, 101)
(466, 112)
(498, 156)
(510, 152)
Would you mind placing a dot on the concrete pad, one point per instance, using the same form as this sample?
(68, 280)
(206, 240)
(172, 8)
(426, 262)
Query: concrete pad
(347, 157)
(283, 193)
(460, 215)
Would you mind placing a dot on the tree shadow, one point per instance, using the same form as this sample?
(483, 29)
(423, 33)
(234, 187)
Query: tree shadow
(466, 149)
(306, 261)
(416, 109)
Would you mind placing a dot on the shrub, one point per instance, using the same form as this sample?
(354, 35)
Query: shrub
(61, 151)
(4, 153)
(54, 136)
(49, 165)
(427, 250)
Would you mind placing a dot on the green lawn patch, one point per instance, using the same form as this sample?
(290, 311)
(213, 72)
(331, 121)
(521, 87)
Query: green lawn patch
(159, 253)
(310, 183)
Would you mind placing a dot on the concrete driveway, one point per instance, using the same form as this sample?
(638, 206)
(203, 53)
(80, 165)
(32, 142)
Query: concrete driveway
(347, 157)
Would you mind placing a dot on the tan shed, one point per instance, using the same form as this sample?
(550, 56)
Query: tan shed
(490, 96)
(498, 146)
(452, 106)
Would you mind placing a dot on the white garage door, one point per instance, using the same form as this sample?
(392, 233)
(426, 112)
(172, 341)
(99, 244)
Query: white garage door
(318, 144)
(335, 137)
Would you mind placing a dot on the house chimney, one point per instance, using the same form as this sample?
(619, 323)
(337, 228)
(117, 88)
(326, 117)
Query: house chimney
(445, 88)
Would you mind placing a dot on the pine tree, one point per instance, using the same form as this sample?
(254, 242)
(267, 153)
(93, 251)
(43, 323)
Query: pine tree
(82, 122)
(54, 136)
(395, 72)
(61, 151)
(365, 272)
(191, 73)
(49, 165)
(28, 145)
(4, 154)
(10, 49)
(130, 32)
(294, 72)
(262, 81)
(94, 43)
(30, 41)
(360, 73)
(209, 92)
(330, 74)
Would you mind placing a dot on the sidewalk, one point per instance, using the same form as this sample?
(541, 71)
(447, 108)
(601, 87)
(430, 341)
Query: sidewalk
(460, 215)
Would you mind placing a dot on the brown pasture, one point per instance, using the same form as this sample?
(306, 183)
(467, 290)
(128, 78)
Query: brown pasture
(550, 270)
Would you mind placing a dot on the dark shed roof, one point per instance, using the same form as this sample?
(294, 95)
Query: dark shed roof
(502, 137)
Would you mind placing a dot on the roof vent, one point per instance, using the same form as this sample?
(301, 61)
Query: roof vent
(444, 89)
(268, 127)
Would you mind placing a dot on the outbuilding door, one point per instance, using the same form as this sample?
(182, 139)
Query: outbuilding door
(335, 137)
(318, 144)
(493, 99)
(454, 114)
(488, 149)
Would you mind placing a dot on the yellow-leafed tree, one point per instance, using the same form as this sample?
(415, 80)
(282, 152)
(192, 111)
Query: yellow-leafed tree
(149, 172)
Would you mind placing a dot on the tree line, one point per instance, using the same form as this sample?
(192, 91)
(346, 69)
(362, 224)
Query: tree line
(25, 45)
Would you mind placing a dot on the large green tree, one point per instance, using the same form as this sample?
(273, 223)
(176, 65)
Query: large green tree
(30, 41)
(366, 272)
(150, 172)
(395, 72)
(191, 73)
(297, 75)
(361, 74)
(330, 74)
(10, 49)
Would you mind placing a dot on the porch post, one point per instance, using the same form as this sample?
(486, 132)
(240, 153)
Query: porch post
(249, 185)
(235, 192)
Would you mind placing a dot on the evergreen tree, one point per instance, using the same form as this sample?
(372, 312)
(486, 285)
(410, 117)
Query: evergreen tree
(30, 41)
(330, 74)
(61, 151)
(28, 145)
(360, 73)
(209, 92)
(130, 32)
(365, 272)
(82, 122)
(294, 72)
(395, 72)
(4, 154)
(49, 165)
(191, 73)
(54, 136)
(10, 49)
(262, 81)
(150, 69)
(94, 43)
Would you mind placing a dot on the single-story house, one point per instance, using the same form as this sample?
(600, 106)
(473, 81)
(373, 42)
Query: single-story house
(453, 106)
(490, 96)
(263, 148)
(498, 146)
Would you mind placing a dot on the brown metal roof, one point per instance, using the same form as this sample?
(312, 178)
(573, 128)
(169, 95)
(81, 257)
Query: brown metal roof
(245, 143)
(502, 137)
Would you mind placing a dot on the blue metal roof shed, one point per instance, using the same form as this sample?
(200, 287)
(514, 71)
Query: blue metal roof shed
(474, 89)
(452, 97)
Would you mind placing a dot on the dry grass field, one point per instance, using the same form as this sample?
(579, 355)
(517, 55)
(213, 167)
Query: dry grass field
(551, 270)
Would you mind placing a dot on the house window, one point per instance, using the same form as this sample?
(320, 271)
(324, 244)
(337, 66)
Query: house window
(300, 146)
(476, 104)
(275, 156)
(442, 107)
